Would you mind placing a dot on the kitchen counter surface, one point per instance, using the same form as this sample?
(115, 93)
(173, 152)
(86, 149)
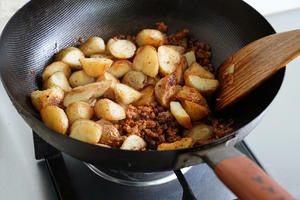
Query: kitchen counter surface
(275, 141)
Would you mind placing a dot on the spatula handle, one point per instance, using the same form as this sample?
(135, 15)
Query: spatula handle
(248, 181)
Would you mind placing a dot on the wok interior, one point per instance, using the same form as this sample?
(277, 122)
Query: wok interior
(42, 28)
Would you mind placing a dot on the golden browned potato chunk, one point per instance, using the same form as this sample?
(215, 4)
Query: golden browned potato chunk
(146, 61)
(50, 97)
(79, 110)
(181, 144)
(57, 66)
(164, 89)
(110, 94)
(190, 94)
(133, 142)
(86, 130)
(109, 133)
(80, 78)
(195, 110)
(121, 49)
(125, 94)
(87, 93)
(180, 67)
(179, 49)
(95, 66)
(70, 56)
(108, 77)
(107, 109)
(135, 79)
(58, 79)
(93, 45)
(203, 85)
(55, 118)
(180, 114)
(168, 59)
(147, 96)
(150, 37)
(199, 132)
(198, 70)
(119, 68)
(190, 57)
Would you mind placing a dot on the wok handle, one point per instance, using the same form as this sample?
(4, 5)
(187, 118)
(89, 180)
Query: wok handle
(248, 181)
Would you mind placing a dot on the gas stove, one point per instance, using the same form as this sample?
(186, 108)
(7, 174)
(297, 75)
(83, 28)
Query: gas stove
(59, 176)
(74, 179)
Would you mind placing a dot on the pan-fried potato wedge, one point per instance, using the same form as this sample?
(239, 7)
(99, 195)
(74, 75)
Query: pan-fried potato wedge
(135, 79)
(190, 57)
(181, 144)
(108, 77)
(109, 132)
(57, 66)
(204, 86)
(70, 56)
(109, 42)
(150, 37)
(199, 132)
(125, 94)
(79, 110)
(103, 55)
(121, 49)
(93, 45)
(55, 118)
(198, 70)
(190, 94)
(86, 130)
(133, 142)
(146, 60)
(110, 94)
(95, 67)
(53, 96)
(107, 109)
(179, 49)
(180, 114)
(80, 78)
(195, 111)
(58, 79)
(168, 58)
(87, 93)
(164, 89)
(181, 66)
(119, 68)
(147, 96)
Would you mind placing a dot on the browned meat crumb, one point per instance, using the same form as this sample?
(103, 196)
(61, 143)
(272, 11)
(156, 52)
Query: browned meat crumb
(80, 39)
(179, 39)
(220, 129)
(151, 122)
(126, 37)
(161, 27)
(32, 71)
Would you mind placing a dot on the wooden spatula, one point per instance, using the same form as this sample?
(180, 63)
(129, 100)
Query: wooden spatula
(250, 66)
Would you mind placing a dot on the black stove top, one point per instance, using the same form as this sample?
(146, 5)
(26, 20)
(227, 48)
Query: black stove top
(74, 180)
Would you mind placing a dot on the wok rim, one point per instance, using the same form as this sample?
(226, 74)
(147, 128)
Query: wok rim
(28, 116)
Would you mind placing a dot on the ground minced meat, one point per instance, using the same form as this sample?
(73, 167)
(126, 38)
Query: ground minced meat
(152, 122)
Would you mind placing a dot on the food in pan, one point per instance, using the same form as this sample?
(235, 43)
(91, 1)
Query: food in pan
(148, 92)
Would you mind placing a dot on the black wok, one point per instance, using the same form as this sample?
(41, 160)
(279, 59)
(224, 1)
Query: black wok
(41, 28)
